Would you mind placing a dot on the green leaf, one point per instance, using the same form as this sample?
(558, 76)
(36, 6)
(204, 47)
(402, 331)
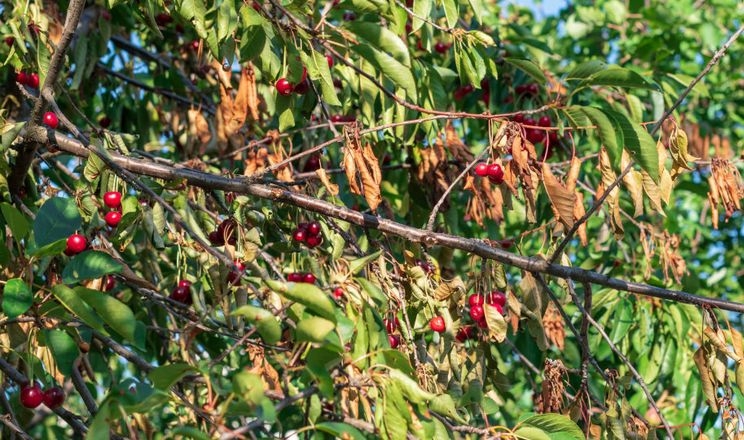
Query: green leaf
(554, 426)
(317, 68)
(340, 430)
(249, 386)
(477, 8)
(227, 20)
(639, 143)
(530, 68)
(616, 76)
(114, 313)
(610, 138)
(451, 12)
(64, 349)
(164, 377)
(8, 133)
(421, 10)
(72, 302)
(18, 224)
(99, 428)
(266, 324)
(410, 388)
(390, 67)
(355, 266)
(586, 69)
(89, 265)
(314, 329)
(308, 295)
(57, 219)
(445, 405)
(382, 39)
(17, 298)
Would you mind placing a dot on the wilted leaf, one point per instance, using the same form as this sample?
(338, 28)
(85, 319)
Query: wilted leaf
(709, 388)
(497, 325)
(326, 181)
(634, 183)
(362, 168)
(562, 200)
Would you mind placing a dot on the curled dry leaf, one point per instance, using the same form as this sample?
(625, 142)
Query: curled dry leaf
(678, 150)
(362, 167)
(449, 290)
(613, 199)
(562, 200)
(326, 181)
(552, 386)
(200, 133)
(634, 183)
(487, 200)
(232, 112)
(554, 326)
(725, 189)
(264, 369)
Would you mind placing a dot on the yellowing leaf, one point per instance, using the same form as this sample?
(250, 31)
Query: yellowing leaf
(561, 199)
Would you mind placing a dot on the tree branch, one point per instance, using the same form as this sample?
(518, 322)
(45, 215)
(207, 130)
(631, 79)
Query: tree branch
(471, 246)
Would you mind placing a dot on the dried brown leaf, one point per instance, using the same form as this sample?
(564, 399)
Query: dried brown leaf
(365, 172)
(554, 326)
(709, 388)
(652, 192)
(326, 181)
(562, 200)
(578, 213)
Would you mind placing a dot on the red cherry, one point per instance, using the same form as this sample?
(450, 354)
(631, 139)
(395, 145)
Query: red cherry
(308, 278)
(391, 324)
(283, 86)
(330, 61)
(216, 238)
(535, 135)
(50, 120)
(313, 229)
(181, 294)
(76, 243)
(482, 323)
(22, 78)
(465, 333)
(481, 169)
(495, 173)
(256, 6)
(544, 121)
(112, 199)
(518, 118)
(54, 397)
(441, 47)
(106, 15)
(477, 313)
(302, 87)
(394, 341)
(34, 29)
(112, 218)
(496, 298)
(520, 89)
(476, 300)
(314, 241)
(529, 121)
(299, 235)
(33, 80)
(532, 89)
(338, 293)
(9, 41)
(294, 277)
(195, 45)
(104, 122)
(31, 396)
(163, 19)
(312, 164)
(233, 277)
(349, 16)
(109, 283)
(184, 283)
(437, 324)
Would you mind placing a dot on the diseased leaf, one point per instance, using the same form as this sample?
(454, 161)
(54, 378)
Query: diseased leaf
(562, 200)
(634, 183)
(497, 325)
(709, 388)
(362, 168)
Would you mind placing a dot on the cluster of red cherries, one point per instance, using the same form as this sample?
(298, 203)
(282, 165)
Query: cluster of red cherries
(494, 172)
(308, 233)
(32, 396)
(535, 135)
(392, 324)
(112, 200)
(301, 277)
(28, 79)
(477, 303)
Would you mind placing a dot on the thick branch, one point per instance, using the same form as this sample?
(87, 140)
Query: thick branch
(472, 246)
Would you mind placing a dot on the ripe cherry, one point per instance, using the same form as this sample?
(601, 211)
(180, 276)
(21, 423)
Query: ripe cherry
(302, 87)
(476, 300)
(31, 396)
(33, 80)
(314, 241)
(308, 278)
(313, 229)
(496, 298)
(391, 324)
(112, 218)
(76, 243)
(21, 77)
(544, 121)
(216, 238)
(477, 313)
(465, 333)
(394, 341)
(9, 41)
(295, 277)
(50, 120)
(233, 277)
(338, 293)
(518, 118)
(437, 324)
(441, 47)
(54, 397)
(109, 283)
(104, 122)
(495, 173)
(184, 283)
(499, 308)
(532, 89)
(112, 199)
(283, 86)
(529, 121)
(299, 235)
(535, 135)
(163, 19)
(481, 169)
(181, 294)
(312, 164)
(330, 61)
